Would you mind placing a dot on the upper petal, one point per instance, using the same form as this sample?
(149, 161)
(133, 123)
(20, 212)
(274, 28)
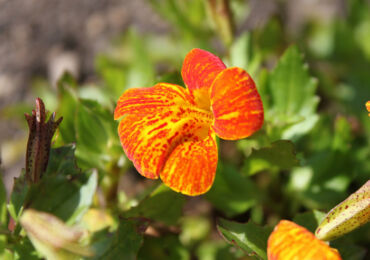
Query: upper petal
(291, 241)
(199, 69)
(236, 105)
(144, 101)
(155, 124)
(191, 167)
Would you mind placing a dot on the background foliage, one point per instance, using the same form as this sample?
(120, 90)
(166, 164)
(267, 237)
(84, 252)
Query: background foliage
(312, 152)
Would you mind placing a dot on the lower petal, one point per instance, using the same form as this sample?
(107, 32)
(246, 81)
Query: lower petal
(236, 104)
(148, 140)
(191, 167)
(291, 241)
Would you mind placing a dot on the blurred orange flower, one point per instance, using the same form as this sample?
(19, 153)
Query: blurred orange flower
(170, 132)
(290, 241)
(368, 106)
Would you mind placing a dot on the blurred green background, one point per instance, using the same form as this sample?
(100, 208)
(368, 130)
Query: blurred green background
(310, 61)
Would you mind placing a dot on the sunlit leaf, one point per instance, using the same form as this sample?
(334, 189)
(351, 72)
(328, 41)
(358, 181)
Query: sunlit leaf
(279, 156)
(72, 191)
(251, 238)
(293, 101)
(18, 196)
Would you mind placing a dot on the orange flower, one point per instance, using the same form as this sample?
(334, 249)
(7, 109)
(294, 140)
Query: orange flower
(170, 132)
(368, 106)
(290, 241)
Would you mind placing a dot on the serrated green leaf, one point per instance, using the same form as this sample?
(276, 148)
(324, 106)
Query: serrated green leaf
(279, 156)
(293, 102)
(61, 161)
(70, 189)
(162, 205)
(124, 243)
(251, 238)
(346, 216)
(96, 134)
(231, 192)
(72, 195)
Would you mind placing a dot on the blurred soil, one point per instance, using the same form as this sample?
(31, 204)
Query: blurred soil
(43, 37)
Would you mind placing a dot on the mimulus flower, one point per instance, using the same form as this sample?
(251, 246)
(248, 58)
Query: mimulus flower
(169, 132)
(290, 241)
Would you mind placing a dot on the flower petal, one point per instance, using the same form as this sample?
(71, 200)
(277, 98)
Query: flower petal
(291, 241)
(236, 104)
(191, 167)
(154, 125)
(199, 69)
(144, 101)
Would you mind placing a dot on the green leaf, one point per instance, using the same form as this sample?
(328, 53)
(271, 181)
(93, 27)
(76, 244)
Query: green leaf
(67, 109)
(70, 189)
(90, 130)
(96, 133)
(346, 216)
(279, 156)
(3, 202)
(243, 55)
(182, 15)
(252, 239)
(309, 220)
(217, 250)
(61, 161)
(141, 69)
(166, 247)
(293, 101)
(18, 196)
(194, 229)
(71, 195)
(113, 73)
(124, 243)
(231, 192)
(24, 249)
(349, 251)
(162, 205)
